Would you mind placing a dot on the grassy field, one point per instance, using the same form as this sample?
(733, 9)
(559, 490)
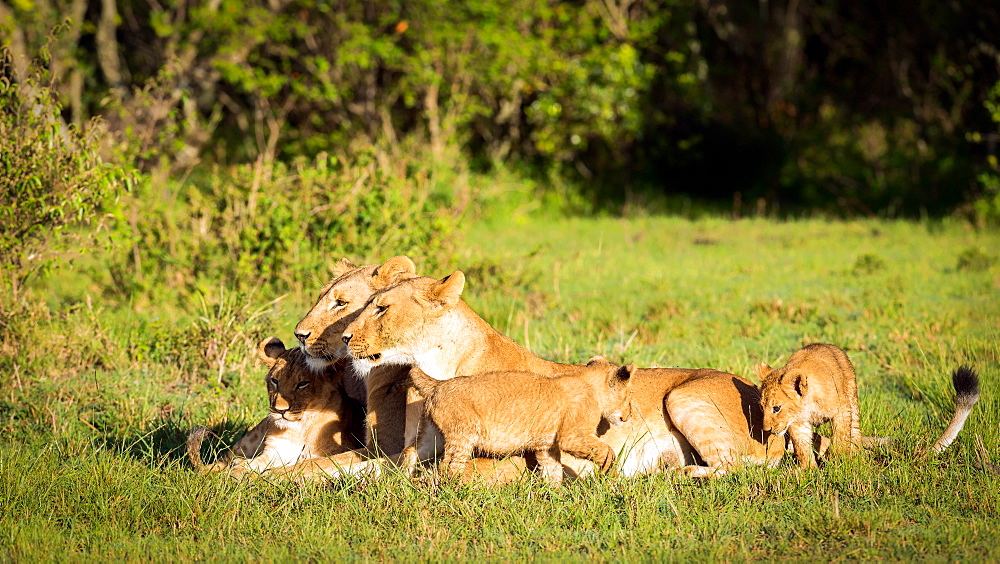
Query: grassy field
(98, 399)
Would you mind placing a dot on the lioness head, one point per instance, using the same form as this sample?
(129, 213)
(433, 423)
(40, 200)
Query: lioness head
(781, 396)
(396, 321)
(341, 300)
(294, 386)
(614, 392)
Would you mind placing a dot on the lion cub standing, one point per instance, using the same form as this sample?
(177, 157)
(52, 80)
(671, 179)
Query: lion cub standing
(311, 416)
(503, 413)
(815, 386)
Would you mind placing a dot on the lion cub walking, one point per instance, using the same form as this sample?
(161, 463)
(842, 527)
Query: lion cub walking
(311, 416)
(815, 386)
(818, 385)
(503, 413)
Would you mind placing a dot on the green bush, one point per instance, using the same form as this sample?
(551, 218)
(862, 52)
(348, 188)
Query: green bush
(987, 206)
(274, 228)
(52, 177)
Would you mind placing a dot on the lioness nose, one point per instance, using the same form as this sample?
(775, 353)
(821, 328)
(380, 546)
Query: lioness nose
(347, 338)
(302, 336)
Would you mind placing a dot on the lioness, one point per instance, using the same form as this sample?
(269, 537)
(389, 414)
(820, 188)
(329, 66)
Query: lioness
(703, 421)
(311, 416)
(818, 385)
(320, 331)
(503, 413)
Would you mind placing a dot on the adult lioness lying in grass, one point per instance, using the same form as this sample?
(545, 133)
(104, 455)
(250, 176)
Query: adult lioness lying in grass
(504, 413)
(702, 421)
(311, 416)
(818, 385)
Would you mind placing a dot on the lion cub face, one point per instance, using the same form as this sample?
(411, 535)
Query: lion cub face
(341, 300)
(294, 386)
(782, 393)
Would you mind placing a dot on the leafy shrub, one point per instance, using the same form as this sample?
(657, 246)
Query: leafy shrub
(975, 259)
(987, 206)
(276, 227)
(52, 176)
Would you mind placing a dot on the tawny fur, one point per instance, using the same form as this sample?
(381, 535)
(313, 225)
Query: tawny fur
(703, 421)
(385, 388)
(504, 413)
(320, 331)
(817, 385)
(311, 416)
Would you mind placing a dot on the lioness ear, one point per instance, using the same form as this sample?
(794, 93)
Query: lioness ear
(342, 267)
(449, 290)
(597, 360)
(270, 350)
(763, 370)
(392, 271)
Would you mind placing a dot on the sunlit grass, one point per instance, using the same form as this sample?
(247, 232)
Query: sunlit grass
(92, 421)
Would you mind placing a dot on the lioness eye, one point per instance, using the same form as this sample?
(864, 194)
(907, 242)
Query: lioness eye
(776, 408)
(273, 382)
(341, 302)
(380, 309)
(301, 385)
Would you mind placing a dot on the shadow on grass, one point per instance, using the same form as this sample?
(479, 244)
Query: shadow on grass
(165, 442)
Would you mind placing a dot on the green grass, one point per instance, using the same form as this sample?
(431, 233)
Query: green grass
(98, 399)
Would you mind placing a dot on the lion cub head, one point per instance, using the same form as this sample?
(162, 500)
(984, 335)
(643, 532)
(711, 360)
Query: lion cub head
(341, 300)
(397, 320)
(615, 395)
(295, 386)
(782, 392)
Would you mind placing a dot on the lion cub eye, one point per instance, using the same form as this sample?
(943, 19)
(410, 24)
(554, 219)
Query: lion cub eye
(301, 385)
(273, 382)
(776, 408)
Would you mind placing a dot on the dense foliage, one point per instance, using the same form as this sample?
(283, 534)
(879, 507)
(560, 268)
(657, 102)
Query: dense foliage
(863, 107)
(51, 177)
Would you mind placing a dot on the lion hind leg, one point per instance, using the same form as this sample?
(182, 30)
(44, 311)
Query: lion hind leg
(549, 465)
(456, 458)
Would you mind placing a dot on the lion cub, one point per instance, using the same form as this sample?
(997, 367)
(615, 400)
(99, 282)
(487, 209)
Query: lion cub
(503, 413)
(311, 416)
(815, 386)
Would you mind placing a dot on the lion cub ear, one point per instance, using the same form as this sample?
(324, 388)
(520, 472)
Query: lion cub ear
(763, 370)
(448, 291)
(597, 360)
(342, 267)
(800, 383)
(270, 350)
(392, 271)
(624, 373)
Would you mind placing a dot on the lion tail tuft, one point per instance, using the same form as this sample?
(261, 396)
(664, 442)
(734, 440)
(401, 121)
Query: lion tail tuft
(966, 383)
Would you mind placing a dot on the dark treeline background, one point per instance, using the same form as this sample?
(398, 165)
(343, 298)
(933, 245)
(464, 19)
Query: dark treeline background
(862, 108)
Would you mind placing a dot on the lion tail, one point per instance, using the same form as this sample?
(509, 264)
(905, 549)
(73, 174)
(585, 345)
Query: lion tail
(194, 441)
(424, 383)
(966, 383)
